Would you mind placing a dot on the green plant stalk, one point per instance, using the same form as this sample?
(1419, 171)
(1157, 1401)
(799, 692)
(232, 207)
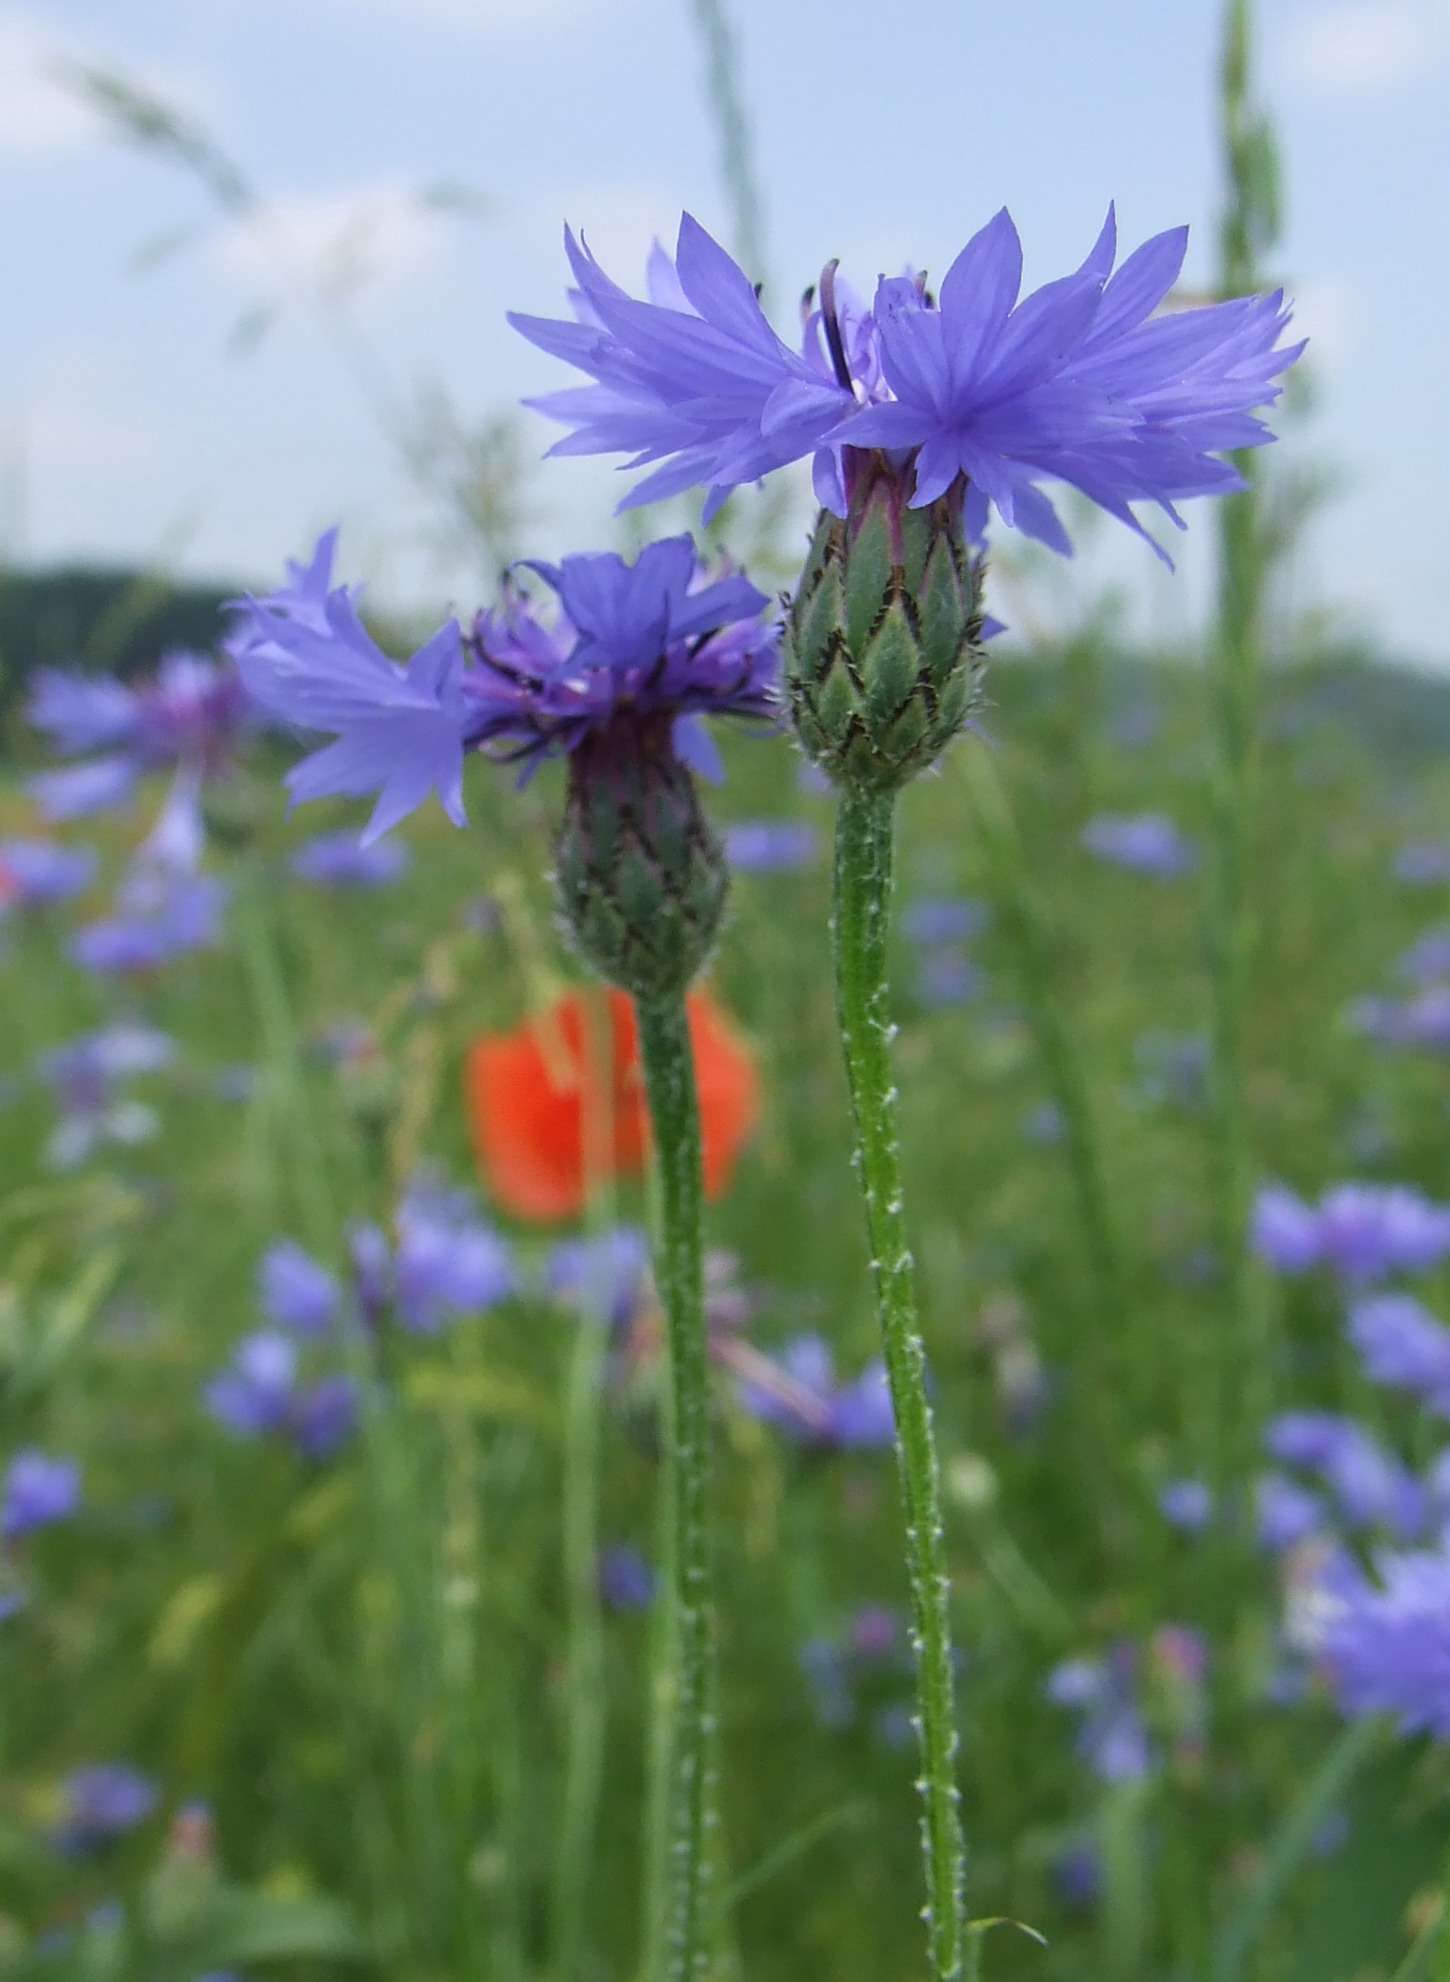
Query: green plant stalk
(583, 1412)
(732, 123)
(680, 1937)
(864, 828)
(1243, 1386)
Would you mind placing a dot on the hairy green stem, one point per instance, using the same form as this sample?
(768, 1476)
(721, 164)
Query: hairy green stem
(864, 826)
(681, 1938)
(583, 1410)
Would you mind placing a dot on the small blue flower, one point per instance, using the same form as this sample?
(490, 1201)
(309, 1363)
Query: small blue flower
(1401, 1344)
(1287, 1513)
(102, 1802)
(163, 913)
(340, 860)
(608, 1276)
(189, 717)
(1364, 1232)
(770, 846)
(1385, 1640)
(255, 1394)
(296, 1291)
(35, 873)
(1186, 1504)
(1423, 863)
(943, 919)
(1372, 1488)
(974, 391)
(625, 1578)
(1103, 1692)
(38, 1491)
(800, 1394)
(1146, 842)
(85, 1076)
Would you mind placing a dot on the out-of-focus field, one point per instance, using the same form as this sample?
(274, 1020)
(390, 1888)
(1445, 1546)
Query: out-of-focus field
(346, 1676)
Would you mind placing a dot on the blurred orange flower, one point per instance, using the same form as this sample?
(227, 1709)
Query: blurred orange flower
(530, 1092)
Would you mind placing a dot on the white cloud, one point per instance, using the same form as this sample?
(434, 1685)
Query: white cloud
(1369, 47)
(341, 242)
(36, 114)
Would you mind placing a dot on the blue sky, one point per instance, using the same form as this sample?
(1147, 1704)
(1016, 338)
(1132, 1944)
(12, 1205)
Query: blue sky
(128, 430)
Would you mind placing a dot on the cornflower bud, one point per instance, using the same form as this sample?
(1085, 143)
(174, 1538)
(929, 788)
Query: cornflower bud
(883, 656)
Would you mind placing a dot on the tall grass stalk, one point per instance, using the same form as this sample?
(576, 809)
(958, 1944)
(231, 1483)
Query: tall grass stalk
(860, 924)
(1248, 229)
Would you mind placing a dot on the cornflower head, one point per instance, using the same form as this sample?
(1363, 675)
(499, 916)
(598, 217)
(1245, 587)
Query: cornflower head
(637, 653)
(102, 1802)
(800, 1394)
(1363, 1232)
(35, 873)
(38, 1490)
(85, 1076)
(1104, 1693)
(260, 1394)
(161, 911)
(189, 717)
(1384, 1639)
(921, 413)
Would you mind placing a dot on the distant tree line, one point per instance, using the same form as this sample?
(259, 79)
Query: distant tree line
(102, 620)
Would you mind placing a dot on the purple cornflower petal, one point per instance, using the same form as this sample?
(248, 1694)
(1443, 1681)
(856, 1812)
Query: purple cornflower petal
(340, 860)
(625, 1579)
(1423, 862)
(189, 717)
(38, 1490)
(1112, 1735)
(651, 639)
(1421, 1023)
(945, 977)
(608, 1276)
(447, 1262)
(255, 1394)
(1368, 1231)
(1426, 961)
(1078, 383)
(1146, 842)
(943, 919)
(163, 914)
(1385, 1643)
(1286, 1513)
(800, 1395)
(1186, 1504)
(102, 1802)
(295, 1291)
(770, 846)
(324, 1416)
(1285, 1230)
(85, 1074)
(35, 873)
(1400, 1343)
(1372, 1488)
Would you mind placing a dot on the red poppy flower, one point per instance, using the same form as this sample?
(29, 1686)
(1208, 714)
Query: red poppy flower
(530, 1092)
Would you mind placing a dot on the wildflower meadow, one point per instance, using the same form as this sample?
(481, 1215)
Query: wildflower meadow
(732, 1259)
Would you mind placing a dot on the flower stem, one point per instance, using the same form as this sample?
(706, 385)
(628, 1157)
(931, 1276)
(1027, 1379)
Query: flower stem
(680, 1938)
(583, 1410)
(862, 909)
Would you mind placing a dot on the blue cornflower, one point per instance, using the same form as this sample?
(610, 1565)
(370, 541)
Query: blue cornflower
(38, 1490)
(259, 1394)
(163, 912)
(1363, 1232)
(608, 1276)
(647, 643)
(1112, 1734)
(1385, 1641)
(1187, 1505)
(102, 1802)
(1286, 1513)
(801, 1395)
(339, 860)
(1423, 863)
(1401, 1344)
(1146, 842)
(626, 1580)
(943, 919)
(1372, 1488)
(35, 873)
(85, 1076)
(770, 846)
(971, 392)
(1427, 961)
(189, 717)
(296, 1291)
